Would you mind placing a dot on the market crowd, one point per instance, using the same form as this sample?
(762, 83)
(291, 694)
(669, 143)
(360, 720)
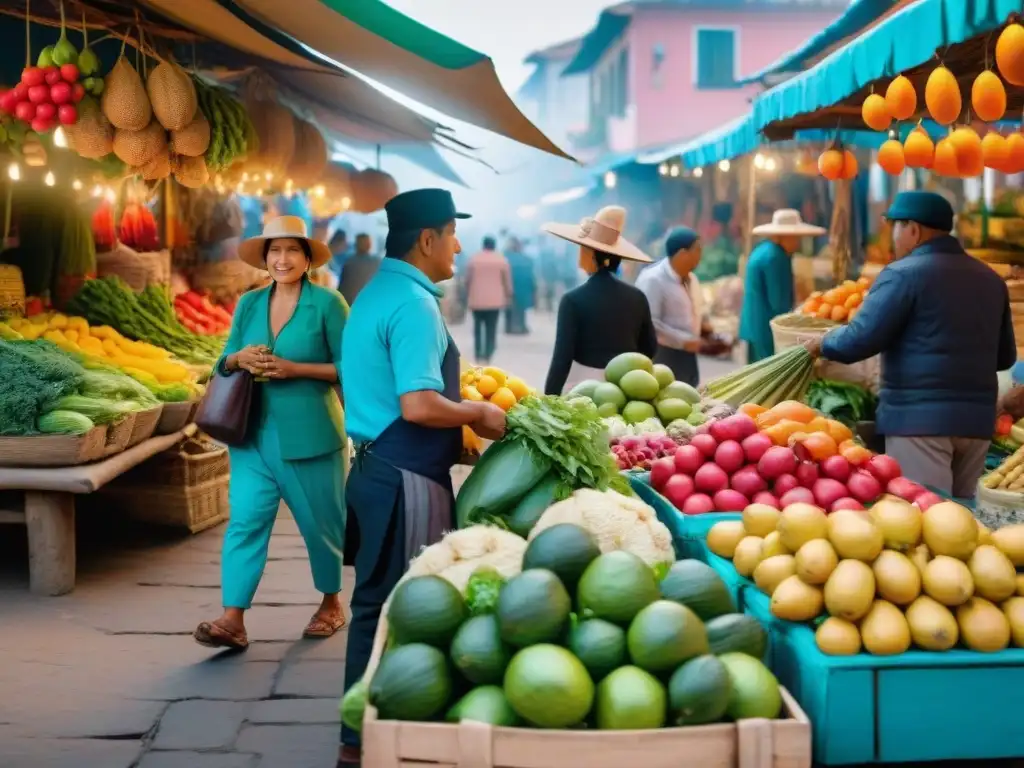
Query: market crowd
(381, 342)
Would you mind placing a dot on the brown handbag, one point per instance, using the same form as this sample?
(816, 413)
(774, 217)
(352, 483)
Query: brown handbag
(224, 412)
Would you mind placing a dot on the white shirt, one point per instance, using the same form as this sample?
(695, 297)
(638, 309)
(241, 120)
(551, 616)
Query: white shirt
(676, 309)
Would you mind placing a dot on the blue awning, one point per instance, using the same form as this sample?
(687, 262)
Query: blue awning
(858, 15)
(909, 38)
(609, 28)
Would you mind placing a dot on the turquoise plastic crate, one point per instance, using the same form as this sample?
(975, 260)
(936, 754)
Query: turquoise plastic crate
(688, 531)
(916, 706)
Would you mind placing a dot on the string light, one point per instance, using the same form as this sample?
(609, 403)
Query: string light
(770, 164)
(245, 176)
(724, 166)
(346, 203)
(97, 191)
(320, 191)
(610, 180)
(111, 195)
(698, 172)
(259, 193)
(268, 176)
(49, 180)
(674, 171)
(759, 161)
(14, 172)
(60, 139)
(76, 185)
(663, 169)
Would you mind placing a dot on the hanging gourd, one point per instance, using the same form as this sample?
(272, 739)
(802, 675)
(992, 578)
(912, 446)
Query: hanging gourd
(988, 97)
(890, 157)
(967, 145)
(1010, 54)
(995, 152)
(901, 98)
(944, 163)
(1015, 150)
(918, 149)
(942, 96)
(850, 167)
(875, 113)
(830, 164)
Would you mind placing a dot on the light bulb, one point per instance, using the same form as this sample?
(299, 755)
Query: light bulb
(245, 176)
(770, 164)
(759, 160)
(14, 172)
(346, 203)
(49, 180)
(97, 191)
(698, 172)
(724, 166)
(76, 185)
(610, 180)
(60, 139)
(268, 176)
(259, 193)
(674, 171)
(663, 169)
(111, 195)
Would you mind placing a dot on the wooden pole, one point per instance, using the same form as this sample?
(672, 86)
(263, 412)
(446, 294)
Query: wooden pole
(839, 230)
(748, 236)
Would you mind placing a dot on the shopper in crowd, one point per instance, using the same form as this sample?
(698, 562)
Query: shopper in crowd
(488, 292)
(768, 290)
(524, 288)
(401, 380)
(604, 317)
(941, 321)
(339, 248)
(358, 269)
(677, 306)
(288, 335)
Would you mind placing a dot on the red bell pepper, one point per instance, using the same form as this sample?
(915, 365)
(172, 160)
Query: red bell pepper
(1004, 424)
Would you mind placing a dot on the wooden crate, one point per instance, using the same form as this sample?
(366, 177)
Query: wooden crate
(174, 417)
(757, 743)
(145, 425)
(53, 450)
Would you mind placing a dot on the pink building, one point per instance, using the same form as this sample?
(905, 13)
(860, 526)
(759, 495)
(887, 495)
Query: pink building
(663, 71)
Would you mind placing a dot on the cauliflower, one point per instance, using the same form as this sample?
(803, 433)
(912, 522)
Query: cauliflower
(616, 521)
(617, 427)
(651, 426)
(461, 552)
(681, 431)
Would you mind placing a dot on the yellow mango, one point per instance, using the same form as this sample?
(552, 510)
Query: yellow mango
(92, 346)
(79, 324)
(71, 335)
(58, 322)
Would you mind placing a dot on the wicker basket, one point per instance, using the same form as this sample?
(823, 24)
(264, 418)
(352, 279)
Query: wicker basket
(996, 508)
(145, 425)
(137, 269)
(866, 373)
(195, 507)
(118, 434)
(175, 416)
(194, 461)
(53, 450)
(12, 291)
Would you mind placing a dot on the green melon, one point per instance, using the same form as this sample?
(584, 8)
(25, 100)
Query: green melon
(533, 608)
(737, 632)
(615, 587)
(754, 690)
(600, 645)
(697, 586)
(608, 394)
(549, 687)
(585, 389)
(622, 364)
(565, 549)
(486, 704)
(663, 374)
(630, 699)
(680, 390)
(637, 411)
(478, 651)
(673, 408)
(639, 385)
(426, 609)
(698, 692)
(664, 635)
(412, 682)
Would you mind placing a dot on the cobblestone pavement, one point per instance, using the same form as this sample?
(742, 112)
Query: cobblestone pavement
(109, 677)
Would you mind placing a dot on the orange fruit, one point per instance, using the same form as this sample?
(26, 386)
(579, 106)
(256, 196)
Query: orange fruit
(838, 313)
(832, 296)
(918, 149)
(818, 445)
(472, 393)
(890, 157)
(852, 313)
(988, 97)
(875, 113)
(901, 98)
(830, 164)
(1010, 54)
(850, 168)
(995, 152)
(504, 398)
(487, 386)
(839, 432)
(518, 387)
(496, 373)
(853, 301)
(1015, 146)
(824, 311)
(815, 295)
(942, 96)
(810, 306)
(968, 148)
(945, 159)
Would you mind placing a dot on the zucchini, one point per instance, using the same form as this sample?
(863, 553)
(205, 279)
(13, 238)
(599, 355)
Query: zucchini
(504, 475)
(64, 423)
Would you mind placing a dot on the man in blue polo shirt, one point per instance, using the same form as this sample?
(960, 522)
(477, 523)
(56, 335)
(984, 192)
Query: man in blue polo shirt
(400, 377)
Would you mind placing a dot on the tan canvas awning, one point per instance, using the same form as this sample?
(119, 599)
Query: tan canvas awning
(377, 41)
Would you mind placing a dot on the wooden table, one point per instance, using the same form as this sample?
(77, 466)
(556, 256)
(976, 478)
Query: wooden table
(44, 501)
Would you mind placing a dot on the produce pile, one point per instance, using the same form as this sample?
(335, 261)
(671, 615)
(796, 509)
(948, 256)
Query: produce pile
(773, 457)
(574, 638)
(148, 316)
(783, 376)
(232, 136)
(640, 391)
(897, 575)
(493, 385)
(1008, 476)
(551, 448)
(49, 391)
(168, 380)
(839, 304)
(842, 401)
(138, 229)
(199, 315)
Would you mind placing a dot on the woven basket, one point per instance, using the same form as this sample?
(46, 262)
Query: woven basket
(118, 434)
(997, 508)
(53, 450)
(225, 277)
(145, 425)
(12, 291)
(195, 461)
(866, 373)
(175, 416)
(194, 507)
(137, 269)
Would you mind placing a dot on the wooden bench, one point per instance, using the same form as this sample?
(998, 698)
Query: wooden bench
(44, 501)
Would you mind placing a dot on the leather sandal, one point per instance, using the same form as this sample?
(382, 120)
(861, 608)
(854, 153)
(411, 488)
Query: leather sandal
(320, 626)
(212, 635)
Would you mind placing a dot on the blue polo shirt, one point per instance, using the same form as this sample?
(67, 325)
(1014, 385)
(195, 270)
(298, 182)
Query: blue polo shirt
(393, 343)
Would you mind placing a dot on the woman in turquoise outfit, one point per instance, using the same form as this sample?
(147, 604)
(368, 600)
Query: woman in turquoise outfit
(768, 283)
(288, 335)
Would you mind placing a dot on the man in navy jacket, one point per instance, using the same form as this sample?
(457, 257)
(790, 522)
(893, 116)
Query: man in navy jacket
(941, 321)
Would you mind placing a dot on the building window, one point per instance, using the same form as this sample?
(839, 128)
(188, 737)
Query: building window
(620, 93)
(715, 63)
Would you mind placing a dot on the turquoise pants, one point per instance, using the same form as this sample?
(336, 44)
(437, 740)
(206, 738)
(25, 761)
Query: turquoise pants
(313, 489)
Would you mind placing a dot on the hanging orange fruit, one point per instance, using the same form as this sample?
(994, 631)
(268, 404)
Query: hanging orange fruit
(850, 168)
(967, 145)
(890, 157)
(830, 164)
(875, 113)
(944, 163)
(995, 152)
(942, 96)
(988, 97)
(901, 98)
(918, 149)
(1010, 54)
(1015, 150)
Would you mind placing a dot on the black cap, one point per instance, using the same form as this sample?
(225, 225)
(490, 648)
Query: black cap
(421, 208)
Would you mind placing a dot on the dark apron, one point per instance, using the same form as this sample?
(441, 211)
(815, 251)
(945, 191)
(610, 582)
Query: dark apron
(683, 364)
(400, 500)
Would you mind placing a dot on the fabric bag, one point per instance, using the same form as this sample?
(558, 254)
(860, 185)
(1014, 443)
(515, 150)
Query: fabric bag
(224, 412)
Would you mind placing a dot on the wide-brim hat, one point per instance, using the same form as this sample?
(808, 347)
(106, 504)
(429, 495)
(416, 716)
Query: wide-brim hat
(602, 232)
(789, 222)
(281, 227)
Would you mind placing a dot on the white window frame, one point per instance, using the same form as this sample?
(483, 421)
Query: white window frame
(695, 51)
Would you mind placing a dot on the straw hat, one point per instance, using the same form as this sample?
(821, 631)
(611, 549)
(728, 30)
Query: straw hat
(788, 222)
(602, 232)
(251, 250)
